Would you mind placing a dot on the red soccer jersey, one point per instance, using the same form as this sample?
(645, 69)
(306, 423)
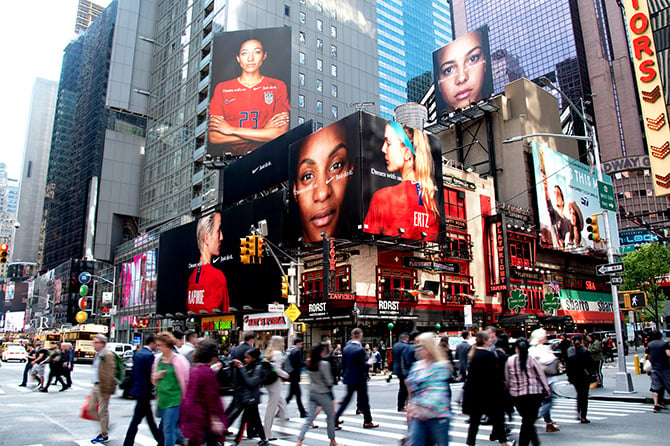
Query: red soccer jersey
(249, 107)
(400, 207)
(207, 290)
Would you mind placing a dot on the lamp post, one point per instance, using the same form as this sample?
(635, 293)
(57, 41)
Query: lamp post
(624, 382)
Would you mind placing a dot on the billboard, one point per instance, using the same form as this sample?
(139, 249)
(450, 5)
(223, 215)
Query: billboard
(567, 194)
(462, 72)
(363, 174)
(137, 279)
(250, 89)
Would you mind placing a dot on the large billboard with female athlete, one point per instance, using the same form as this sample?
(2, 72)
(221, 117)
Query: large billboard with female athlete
(250, 89)
(462, 72)
(567, 194)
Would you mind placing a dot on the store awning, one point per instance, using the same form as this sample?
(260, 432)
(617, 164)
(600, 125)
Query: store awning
(511, 320)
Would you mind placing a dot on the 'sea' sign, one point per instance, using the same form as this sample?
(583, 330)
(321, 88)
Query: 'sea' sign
(652, 100)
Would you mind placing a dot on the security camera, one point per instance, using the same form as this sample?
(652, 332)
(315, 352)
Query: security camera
(17, 225)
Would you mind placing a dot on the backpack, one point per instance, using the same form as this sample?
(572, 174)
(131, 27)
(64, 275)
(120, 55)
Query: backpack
(287, 365)
(119, 368)
(269, 374)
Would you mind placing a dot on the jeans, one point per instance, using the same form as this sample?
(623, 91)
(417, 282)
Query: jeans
(402, 393)
(142, 409)
(362, 402)
(169, 418)
(326, 402)
(497, 418)
(26, 370)
(545, 409)
(295, 390)
(252, 419)
(582, 398)
(435, 429)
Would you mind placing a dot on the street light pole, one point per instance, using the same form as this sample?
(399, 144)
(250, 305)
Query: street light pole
(624, 382)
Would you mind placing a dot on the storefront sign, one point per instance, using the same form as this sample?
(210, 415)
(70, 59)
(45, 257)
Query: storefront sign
(400, 295)
(522, 274)
(266, 321)
(517, 300)
(388, 307)
(342, 296)
(275, 308)
(636, 237)
(455, 181)
(585, 285)
(217, 323)
(630, 163)
(430, 265)
(339, 258)
(453, 223)
(467, 315)
(587, 307)
(330, 310)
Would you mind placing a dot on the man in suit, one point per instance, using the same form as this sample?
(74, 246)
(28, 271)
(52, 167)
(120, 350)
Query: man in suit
(235, 408)
(400, 370)
(297, 364)
(142, 391)
(578, 371)
(355, 377)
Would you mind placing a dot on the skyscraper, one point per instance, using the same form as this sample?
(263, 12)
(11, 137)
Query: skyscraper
(408, 33)
(87, 12)
(34, 170)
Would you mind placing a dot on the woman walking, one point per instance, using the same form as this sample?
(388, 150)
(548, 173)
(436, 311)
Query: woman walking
(484, 391)
(250, 395)
(276, 403)
(320, 392)
(527, 386)
(170, 376)
(597, 358)
(429, 407)
(549, 363)
(202, 416)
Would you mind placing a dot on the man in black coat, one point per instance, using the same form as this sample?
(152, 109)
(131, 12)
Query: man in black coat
(578, 371)
(400, 369)
(297, 363)
(236, 407)
(142, 390)
(356, 379)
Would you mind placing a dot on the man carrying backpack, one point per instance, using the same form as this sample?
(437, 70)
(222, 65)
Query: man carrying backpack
(104, 369)
(295, 366)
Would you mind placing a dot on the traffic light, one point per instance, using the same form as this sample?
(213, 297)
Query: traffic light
(260, 246)
(4, 252)
(284, 287)
(252, 248)
(245, 253)
(592, 228)
(83, 303)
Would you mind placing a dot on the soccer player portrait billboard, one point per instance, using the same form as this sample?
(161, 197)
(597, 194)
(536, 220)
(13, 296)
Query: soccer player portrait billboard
(250, 89)
(401, 180)
(462, 72)
(567, 194)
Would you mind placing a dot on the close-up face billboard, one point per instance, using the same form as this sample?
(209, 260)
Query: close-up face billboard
(567, 194)
(462, 71)
(250, 89)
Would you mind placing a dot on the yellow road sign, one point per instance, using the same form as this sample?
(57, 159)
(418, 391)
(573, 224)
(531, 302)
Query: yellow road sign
(292, 312)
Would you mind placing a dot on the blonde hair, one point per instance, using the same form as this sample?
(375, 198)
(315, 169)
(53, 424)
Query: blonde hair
(423, 168)
(428, 341)
(276, 345)
(166, 338)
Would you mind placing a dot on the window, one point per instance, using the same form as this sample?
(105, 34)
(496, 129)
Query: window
(454, 203)
(301, 100)
(333, 14)
(333, 70)
(319, 125)
(319, 24)
(319, 7)
(333, 51)
(457, 246)
(302, 37)
(287, 10)
(319, 44)
(333, 91)
(520, 254)
(301, 120)
(319, 85)
(303, 17)
(319, 106)
(312, 284)
(333, 31)
(333, 111)
(455, 288)
(392, 283)
(30, 169)
(301, 79)
(301, 58)
(319, 65)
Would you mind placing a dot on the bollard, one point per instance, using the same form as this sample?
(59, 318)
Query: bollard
(636, 361)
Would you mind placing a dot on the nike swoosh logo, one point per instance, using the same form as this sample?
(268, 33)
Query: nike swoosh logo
(254, 170)
(228, 101)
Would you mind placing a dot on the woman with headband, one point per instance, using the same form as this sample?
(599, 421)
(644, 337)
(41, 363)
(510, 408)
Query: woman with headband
(410, 205)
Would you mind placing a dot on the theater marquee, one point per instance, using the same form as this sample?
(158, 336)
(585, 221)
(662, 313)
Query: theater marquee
(650, 91)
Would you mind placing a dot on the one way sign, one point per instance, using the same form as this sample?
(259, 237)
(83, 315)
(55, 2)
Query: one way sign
(609, 268)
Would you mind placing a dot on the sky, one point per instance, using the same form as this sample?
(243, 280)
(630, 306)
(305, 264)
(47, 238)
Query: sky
(33, 35)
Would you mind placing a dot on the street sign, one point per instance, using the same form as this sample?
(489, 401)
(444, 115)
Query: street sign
(275, 308)
(616, 280)
(84, 277)
(606, 193)
(292, 312)
(609, 268)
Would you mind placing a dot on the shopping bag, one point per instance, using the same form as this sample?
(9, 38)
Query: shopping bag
(83, 413)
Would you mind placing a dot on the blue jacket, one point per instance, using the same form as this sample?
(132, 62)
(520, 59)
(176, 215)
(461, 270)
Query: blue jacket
(142, 363)
(398, 349)
(354, 361)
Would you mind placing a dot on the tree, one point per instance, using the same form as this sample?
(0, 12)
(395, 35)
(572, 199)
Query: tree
(644, 270)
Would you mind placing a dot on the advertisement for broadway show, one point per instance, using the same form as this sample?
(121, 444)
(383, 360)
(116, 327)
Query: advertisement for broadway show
(250, 90)
(364, 172)
(567, 194)
(462, 72)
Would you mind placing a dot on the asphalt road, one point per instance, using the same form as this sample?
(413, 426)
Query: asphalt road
(29, 418)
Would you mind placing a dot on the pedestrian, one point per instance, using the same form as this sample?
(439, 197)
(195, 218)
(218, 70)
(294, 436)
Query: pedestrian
(659, 352)
(484, 390)
(563, 347)
(188, 347)
(320, 392)
(597, 358)
(579, 375)
(104, 386)
(355, 377)
(67, 364)
(31, 354)
(337, 363)
(549, 364)
(381, 348)
(170, 376)
(276, 404)
(235, 408)
(39, 364)
(528, 386)
(142, 391)
(377, 360)
(462, 350)
(297, 364)
(55, 356)
(202, 415)
(251, 377)
(400, 369)
(429, 408)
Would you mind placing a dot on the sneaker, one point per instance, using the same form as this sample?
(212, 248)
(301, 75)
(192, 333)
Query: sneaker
(552, 428)
(22, 385)
(100, 439)
(658, 408)
(44, 390)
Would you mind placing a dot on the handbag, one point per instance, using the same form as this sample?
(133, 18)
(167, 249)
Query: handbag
(84, 413)
(646, 366)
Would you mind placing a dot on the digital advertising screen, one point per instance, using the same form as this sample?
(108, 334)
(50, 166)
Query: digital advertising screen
(567, 194)
(462, 72)
(250, 90)
(138, 280)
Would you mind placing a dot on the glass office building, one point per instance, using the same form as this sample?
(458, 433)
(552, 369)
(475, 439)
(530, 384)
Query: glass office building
(408, 33)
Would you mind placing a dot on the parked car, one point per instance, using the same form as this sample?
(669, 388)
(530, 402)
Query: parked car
(119, 348)
(14, 352)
